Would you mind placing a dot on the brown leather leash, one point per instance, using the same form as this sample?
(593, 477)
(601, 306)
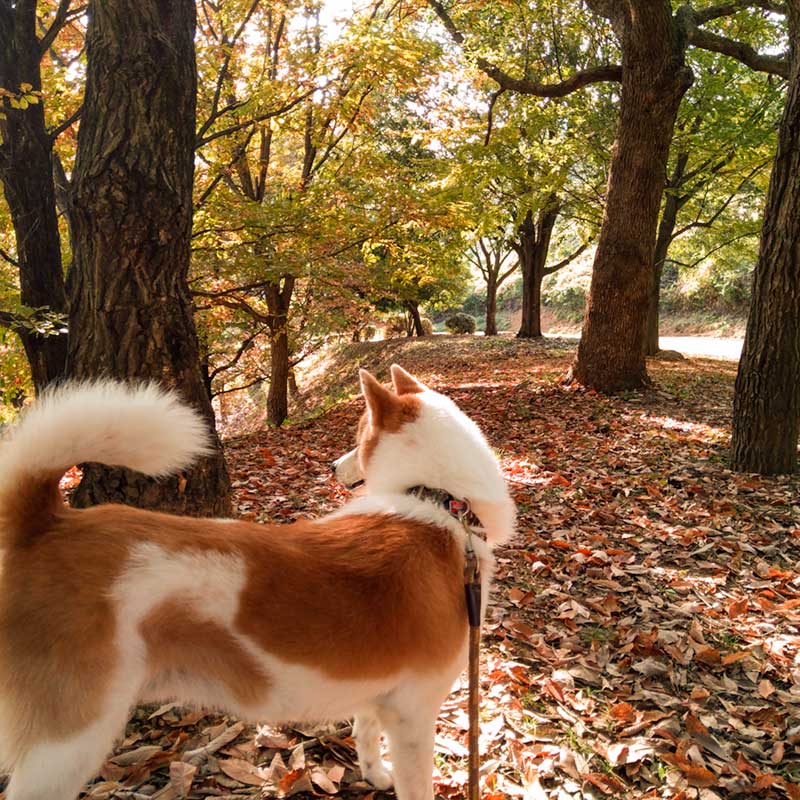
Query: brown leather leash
(472, 590)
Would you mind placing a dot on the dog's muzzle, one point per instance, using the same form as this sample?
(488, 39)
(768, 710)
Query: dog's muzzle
(347, 470)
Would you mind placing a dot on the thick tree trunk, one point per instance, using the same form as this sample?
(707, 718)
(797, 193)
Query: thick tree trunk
(666, 226)
(130, 311)
(279, 297)
(654, 79)
(532, 249)
(416, 319)
(26, 171)
(491, 306)
(766, 405)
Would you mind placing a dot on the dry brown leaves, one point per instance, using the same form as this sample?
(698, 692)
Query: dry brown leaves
(644, 639)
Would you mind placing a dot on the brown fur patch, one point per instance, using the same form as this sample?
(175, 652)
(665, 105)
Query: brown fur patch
(355, 597)
(181, 644)
(400, 411)
(57, 631)
(29, 509)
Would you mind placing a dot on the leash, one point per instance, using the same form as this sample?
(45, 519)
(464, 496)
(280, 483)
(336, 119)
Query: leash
(472, 591)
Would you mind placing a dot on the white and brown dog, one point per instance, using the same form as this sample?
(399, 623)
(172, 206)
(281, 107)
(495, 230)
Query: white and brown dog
(361, 612)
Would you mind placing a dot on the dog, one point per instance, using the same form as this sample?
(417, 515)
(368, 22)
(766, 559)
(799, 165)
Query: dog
(361, 612)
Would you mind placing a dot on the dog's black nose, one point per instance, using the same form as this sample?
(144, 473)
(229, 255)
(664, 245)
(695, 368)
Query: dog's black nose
(333, 467)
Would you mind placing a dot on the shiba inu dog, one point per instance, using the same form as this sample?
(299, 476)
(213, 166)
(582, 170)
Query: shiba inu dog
(361, 612)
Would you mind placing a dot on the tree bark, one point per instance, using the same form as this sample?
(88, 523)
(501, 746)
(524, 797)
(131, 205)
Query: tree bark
(130, 310)
(666, 227)
(766, 405)
(654, 79)
(413, 309)
(532, 248)
(490, 329)
(279, 296)
(26, 171)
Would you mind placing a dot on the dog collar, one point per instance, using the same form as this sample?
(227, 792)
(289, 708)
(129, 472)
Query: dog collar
(453, 505)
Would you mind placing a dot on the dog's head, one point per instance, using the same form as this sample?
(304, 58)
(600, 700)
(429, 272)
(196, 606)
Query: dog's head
(412, 436)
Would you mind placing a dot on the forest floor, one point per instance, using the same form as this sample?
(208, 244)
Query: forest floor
(644, 634)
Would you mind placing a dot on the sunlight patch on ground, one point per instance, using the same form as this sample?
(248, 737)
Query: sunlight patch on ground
(684, 426)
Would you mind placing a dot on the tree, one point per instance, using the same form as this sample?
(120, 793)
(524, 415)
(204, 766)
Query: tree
(766, 406)
(654, 76)
(302, 173)
(26, 172)
(284, 157)
(529, 169)
(722, 146)
(130, 310)
(489, 255)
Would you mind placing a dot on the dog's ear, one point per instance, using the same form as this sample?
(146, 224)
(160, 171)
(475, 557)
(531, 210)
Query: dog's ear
(380, 401)
(404, 382)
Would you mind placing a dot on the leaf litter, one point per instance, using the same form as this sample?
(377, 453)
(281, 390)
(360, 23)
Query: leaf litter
(644, 635)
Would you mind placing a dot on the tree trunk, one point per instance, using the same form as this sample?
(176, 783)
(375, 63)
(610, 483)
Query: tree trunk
(669, 216)
(279, 297)
(665, 228)
(130, 311)
(26, 171)
(654, 79)
(532, 250)
(491, 305)
(416, 319)
(766, 405)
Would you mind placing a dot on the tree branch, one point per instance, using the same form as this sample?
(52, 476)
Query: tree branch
(601, 74)
(242, 349)
(259, 379)
(223, 71)
(8, 257)
(713, 250)
(203, 140)
(564, 261)
(489, 115)
(728, 9)
(67, 123)
(741, 51)
(58, 23)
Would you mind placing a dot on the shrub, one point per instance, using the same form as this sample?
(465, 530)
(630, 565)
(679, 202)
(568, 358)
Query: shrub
(460, 323)
(427, 326)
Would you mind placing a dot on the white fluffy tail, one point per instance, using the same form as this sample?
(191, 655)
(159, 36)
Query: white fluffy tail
(140, 427)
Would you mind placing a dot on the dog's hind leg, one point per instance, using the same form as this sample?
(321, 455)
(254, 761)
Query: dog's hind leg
(58, 769)
(367, 731)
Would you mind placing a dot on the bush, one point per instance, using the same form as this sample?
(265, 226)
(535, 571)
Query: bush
(460, 323)
(427, 326)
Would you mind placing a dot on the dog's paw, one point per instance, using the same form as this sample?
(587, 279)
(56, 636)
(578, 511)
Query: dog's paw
(379, 776)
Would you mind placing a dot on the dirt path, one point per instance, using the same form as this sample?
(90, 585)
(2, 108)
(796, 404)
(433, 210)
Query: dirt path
(706, 346)
(709, 346)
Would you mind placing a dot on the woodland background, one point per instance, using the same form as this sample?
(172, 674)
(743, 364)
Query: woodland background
(246, 200)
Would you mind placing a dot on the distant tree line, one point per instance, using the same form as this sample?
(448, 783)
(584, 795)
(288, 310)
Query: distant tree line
(203, 211)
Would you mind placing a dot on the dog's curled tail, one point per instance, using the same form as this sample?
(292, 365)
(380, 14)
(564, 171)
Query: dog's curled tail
(141, 427)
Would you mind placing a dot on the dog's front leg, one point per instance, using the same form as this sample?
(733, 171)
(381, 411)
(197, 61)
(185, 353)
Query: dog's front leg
(411, 732)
